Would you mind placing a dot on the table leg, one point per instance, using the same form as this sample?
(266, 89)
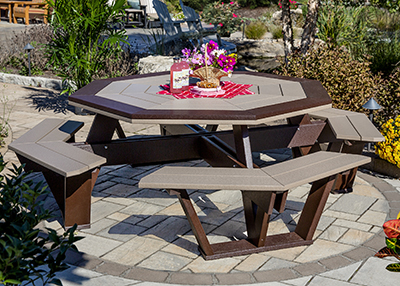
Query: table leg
(103, 128)
(242, 145)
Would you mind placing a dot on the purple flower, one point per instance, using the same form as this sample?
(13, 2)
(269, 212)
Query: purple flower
(197, 59)
(186, 52)
(212, 46)
(222, 60)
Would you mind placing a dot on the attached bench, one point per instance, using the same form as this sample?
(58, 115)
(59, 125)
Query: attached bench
(262, 190)
(346, 132)
(347, 125)
(70, 171)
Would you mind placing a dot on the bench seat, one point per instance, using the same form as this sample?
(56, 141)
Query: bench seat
(279, 177)
(262, 190)
(45, 145)
(70, 171)
(349, 125)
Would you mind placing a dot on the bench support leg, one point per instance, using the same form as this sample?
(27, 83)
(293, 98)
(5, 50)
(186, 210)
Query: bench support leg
(194, 221)
(72, 194)
(75, 200)
(314, 207)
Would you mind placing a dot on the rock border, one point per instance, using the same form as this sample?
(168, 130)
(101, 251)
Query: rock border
(364, 251)
(31, 81)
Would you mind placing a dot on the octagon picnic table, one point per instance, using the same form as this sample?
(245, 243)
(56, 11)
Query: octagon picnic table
(252, 100)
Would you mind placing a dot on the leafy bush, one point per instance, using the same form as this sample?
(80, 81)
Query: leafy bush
(385, 55)
(349, 83)
(255, 30)
(222, 15)
(392, 5)
(198, 5)
(84, 38)
(252, 4)
(24, 248)
(388, 97)
(389, 150)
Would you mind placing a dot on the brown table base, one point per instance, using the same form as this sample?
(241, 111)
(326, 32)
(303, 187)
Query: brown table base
(258, 207)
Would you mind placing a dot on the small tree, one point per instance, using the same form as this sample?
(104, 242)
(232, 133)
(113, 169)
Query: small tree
(24, 248)
(84, 38)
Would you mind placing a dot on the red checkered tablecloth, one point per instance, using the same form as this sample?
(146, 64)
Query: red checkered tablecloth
(231, 90)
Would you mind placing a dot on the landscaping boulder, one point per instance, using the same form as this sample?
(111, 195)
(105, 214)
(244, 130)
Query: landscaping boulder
(152, 64)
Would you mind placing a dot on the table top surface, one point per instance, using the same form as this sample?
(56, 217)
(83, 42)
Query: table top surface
(135, 99)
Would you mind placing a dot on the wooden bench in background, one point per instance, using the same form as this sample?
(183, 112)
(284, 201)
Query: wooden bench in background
(262, 190)
(70, 171)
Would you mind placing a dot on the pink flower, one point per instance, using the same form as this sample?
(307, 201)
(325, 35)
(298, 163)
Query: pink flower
(220, 24)
(234, 15)
(222, 3)
(231, 3)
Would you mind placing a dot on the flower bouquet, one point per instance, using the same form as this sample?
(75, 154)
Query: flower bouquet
(209, 64)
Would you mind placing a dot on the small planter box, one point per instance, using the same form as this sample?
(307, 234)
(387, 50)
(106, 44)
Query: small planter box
(381, 166)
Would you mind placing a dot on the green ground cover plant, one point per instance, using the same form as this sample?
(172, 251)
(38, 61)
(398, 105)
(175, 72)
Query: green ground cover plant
(27, 253)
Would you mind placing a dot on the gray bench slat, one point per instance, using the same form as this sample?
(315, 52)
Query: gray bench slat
(298, 163)
(210, 179)
(50, 159)
(365, 128)
(360, 123)
(63, 132)
(39, 131)
(86, 158)
(279, 177)
(314, 169)
(343, 129)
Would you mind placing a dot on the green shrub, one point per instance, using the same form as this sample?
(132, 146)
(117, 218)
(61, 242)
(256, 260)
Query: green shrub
(389, 98)
(252, 4)
(24, 248)
(84, 38)
(391, 5)
(221, 14)
(349, 83)
(198, 5)
(255, 30)
(385, 55)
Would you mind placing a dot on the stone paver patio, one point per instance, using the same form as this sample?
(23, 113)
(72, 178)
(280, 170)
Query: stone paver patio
(142, 234)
